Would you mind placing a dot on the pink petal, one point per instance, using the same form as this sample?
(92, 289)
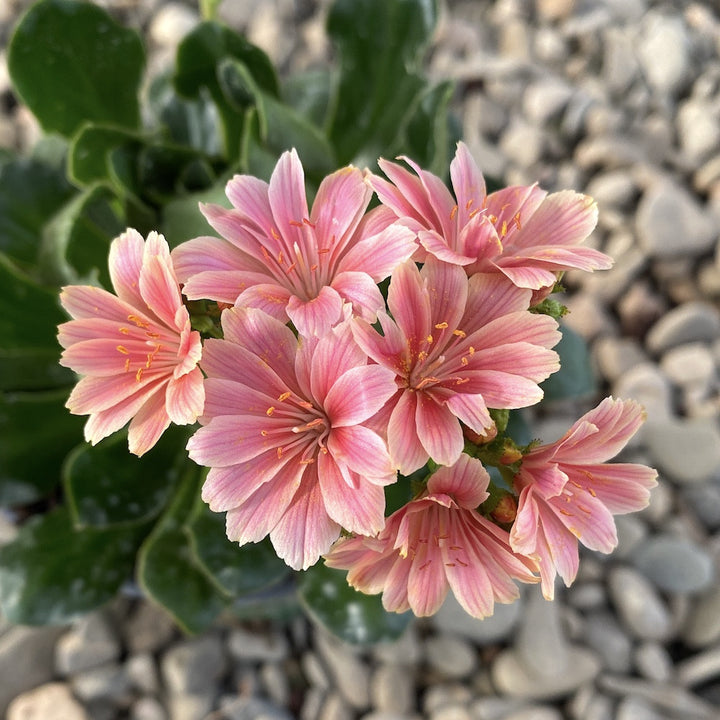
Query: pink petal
(358, 394)
(379, 254)
(563, 218)
(318, 315)
(447, 285)
(272, 299)
(438, 430)
(338, 207)
(588, 520)
(427, 583)
(409, 303)
(528, 276)
(395, 594)
(229, 286)
(362, 291)
(185, 397)
(514, 206)
(466, 481)
(124, 262)
(149, 423)
(87, 301)
(491, 296)
(406, 450)
(504, 391)
(622, 487)
(245, 237)
(386, 349)
(249, 196)
(210, 254)
(363, 452)
(159, 288)
(260, 513)
(562, 544)
(468, 183)
(437, 246)
(94, 394)
(359, 509)
(472, 410)
(305, 531)
(288, 203)
(479, 239)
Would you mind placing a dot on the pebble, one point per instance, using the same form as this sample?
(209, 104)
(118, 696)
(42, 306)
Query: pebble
(647, 384)
(193, 666)
(392, 688)
(699, 668)
(147, 708)
(349, 673)
(653, 662)
(407, 649)
(631, 532)
(104, 682)
(674, 565)
(635, 708)
(698, 129)
(687, 450)
(451, 656)
(148, 629)
(90, 642)
(605, 636)
(690, 322)
(142, 672)
(171, 23)
(690, 365)
(52, 701)
(615, 356)
(26, 660)
(702, 627)
(638, 605)
(671, 223)
(704, 500)
(249, 646)
(665, 696)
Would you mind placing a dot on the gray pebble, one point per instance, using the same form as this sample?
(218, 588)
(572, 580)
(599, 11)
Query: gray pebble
(350, 674)
(105, 682)
(52, 701)
(698, 129)
(615, 356)
(148, 629)
(442, 694)
(142, 672)
(699, 668)
(674, 564)
(147, 708)
(171, 23)
(451, 656)
(406, 650)
(392, 688)
(664, 52)
(274, 679)
(334, 707)
(605, 636)
(631, 532)
(702, 627)
(690, 322)
(647, 384)
(704, 501)
(687, 450)
(635, 708)
(249, 646)
(639, 606)
(653, 662)
(194, 666)
(90, 642)
(535, 712)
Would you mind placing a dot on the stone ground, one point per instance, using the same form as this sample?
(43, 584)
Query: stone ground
(617, 98)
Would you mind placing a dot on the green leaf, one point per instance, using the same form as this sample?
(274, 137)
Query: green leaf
(77, 240)
(236, 570)
(575, 377)
(427, 136)
(106, 485)
(30, 192)
(36, 433)
(280, 127)
(29, 315)
(309, 94)
(88, 160)
(161, 167)
(168, 570)
(381, 43)
(198, 57)
(71, 63)
(345, 612)
(52, 573)
(182, 219)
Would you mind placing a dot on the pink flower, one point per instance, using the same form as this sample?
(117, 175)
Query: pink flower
(521, 232)
(292, 263)
(285, 438)
(568, 492)
(436, 542)
(457, 346)
(136, 351)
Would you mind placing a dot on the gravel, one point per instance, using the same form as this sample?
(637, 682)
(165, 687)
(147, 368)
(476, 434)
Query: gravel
(617, 98)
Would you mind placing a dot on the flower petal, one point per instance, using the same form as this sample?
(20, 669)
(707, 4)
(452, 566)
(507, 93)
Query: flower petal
(438, 430)
(317, 315)
(185, 397)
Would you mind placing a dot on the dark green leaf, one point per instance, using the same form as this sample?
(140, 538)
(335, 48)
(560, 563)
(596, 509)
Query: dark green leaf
(280, 127)
(236, 570)
(575, 377)
(182, 219)
(198, 57)
(77, 240)
(352, 616)
(381, 43)
(160, 168)
(168, 570)
(72, 63)
(52, 572)
(30, 192)
(106, 485)
(88, 161)
(309, 94)
(36, 433)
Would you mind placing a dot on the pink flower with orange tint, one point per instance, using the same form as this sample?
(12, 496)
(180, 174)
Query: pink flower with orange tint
(521, 232)
(457, 346)
(569, 493)
(285, 437)
(136, 351)
(435, 543)
(292, 263)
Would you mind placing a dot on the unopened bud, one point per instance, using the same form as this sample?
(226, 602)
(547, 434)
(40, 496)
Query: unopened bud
(510, 454)
(505, 511)
(489, 434)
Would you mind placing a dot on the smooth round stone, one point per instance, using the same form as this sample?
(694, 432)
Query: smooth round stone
(53, 701)
(535, 712)
(392, 688)
(698, 129)
(451, 656)
(634, 708)
(674, 564)
(512, 677)
(653, 662)
(193, 666)
(704, 502)
(638, 604)
(687, 450)
(647, 384)
(631, 532)
(452, 618)
(89, 643)
(687, 323)
(350, 674)
(617, 355)
(605, 636)
(699, 668)
(702, 627)
(664, 50)
(689, 365)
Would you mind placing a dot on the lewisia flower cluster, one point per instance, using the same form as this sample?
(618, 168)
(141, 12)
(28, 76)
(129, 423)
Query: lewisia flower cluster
(317, 391)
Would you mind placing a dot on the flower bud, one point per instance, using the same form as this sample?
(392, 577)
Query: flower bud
(490, 433)
(506, 510)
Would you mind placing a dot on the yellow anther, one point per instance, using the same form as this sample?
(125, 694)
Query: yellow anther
(284, 396)
(123, 350)
(459, 333)
(441, 326)
(270, 410)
